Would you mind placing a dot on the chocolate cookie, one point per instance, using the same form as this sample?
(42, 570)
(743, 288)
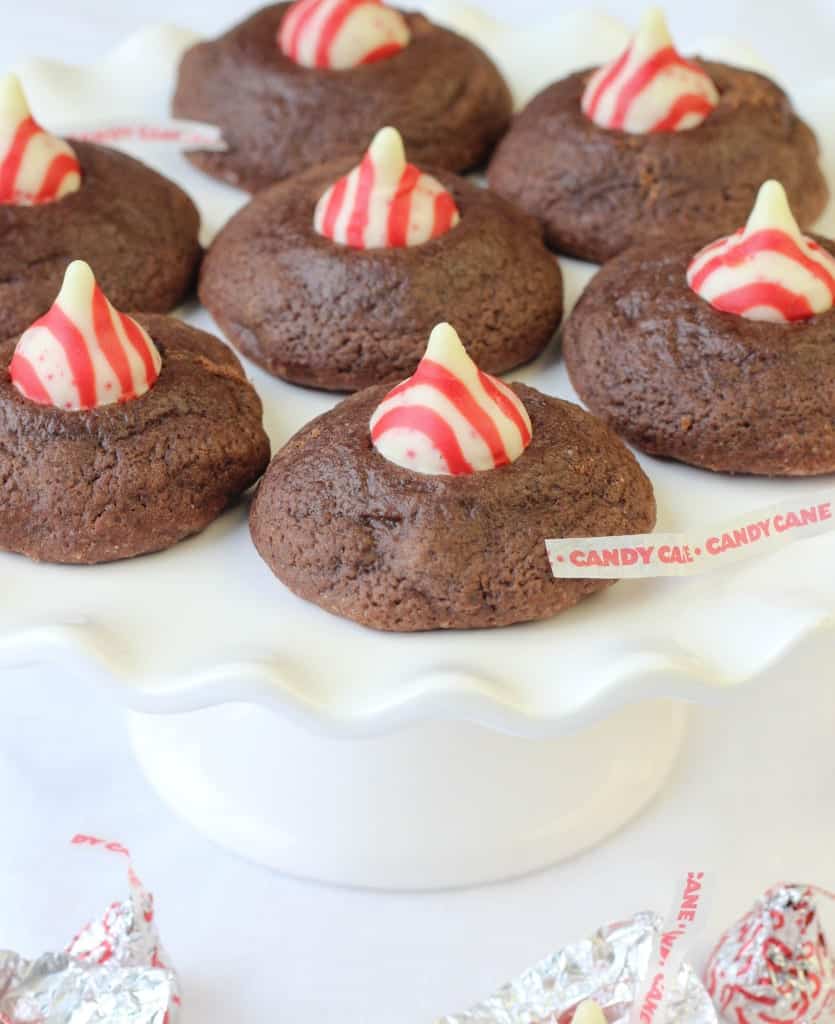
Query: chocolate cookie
(279, 118)
(131, 478)
(398, 550)
(137, 229)
(598, 191)
(331, 316)
(678, 378)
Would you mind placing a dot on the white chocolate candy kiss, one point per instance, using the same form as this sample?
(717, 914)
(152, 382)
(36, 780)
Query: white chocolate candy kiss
(83, 353)
(35, 167)
(385, 202)
(449, 418)
(341, 34)
(768, 270)
(589, 1012)
(650, 87)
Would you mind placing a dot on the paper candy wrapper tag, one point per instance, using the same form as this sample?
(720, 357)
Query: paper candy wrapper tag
(113, 972)
(774, 966)
(174, 134)
(685, 922)
(689, 554)
(617, 967)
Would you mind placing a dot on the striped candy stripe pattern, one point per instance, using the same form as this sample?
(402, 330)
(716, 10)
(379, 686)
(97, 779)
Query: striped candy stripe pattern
(83, 353)
(341, 34)
(385, 202)
(767, 270)
(35, 167)
(650, 87)
(449, 418)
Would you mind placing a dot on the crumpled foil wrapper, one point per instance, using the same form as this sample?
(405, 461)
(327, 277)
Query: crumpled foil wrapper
(113, 972)
(609, 967)
(774, 965)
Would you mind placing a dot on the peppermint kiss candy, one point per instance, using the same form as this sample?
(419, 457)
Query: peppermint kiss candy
(768, 270)
(774, 966)
(650, 87)
(449, 418)
(341, 34)
(385, 201)
(83, 353)
(35, 167)
(589, 1012)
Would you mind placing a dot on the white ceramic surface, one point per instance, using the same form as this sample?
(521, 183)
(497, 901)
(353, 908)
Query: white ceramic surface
(434, 805)
(252, 946)
(206, 622)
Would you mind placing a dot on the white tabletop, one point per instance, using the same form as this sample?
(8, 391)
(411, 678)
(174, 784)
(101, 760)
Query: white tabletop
(751, 798)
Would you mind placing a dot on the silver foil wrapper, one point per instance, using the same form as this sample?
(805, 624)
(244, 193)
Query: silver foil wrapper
(609, 967)
(773, 965)
(113, 972)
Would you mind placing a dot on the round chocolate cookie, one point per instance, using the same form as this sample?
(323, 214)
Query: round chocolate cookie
(332, 316)
(599, 191)
(678, 378)
(441, 92)
(127, 479)
(390, 548)
(135, 228)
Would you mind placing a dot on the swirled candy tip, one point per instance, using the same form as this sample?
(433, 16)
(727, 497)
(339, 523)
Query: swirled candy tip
(338, 35)
(450, 418)
(767, 270)
(589, 1012)
(83, 353)
(385, 202)
(35, 167)
(650, 87)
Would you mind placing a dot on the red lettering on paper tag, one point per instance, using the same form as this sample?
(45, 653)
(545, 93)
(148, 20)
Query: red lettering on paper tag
(689, 554)
(684, 922)
(652, 1000)
(82, 840)
(174, 134)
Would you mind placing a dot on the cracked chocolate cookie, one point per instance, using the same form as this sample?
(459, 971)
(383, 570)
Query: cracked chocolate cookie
(723, 358)
(626, 155)
(286, 103)
(339, 287)
(119, 435)
(134, 227)
(429, 507)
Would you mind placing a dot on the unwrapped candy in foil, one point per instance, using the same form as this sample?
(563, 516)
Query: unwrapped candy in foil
(773, 966)
(113, 972)
(610, 968)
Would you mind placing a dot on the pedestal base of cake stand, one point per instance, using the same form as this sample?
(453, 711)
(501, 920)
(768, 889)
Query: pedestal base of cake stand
(434, 805)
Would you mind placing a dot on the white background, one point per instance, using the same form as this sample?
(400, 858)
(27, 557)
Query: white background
(752, 798)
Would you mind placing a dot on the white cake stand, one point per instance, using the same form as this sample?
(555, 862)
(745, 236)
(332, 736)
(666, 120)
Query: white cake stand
(430, 805)
(332, 752)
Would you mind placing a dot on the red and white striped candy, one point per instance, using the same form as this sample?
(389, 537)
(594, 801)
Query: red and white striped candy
(589, 1012)
(449, 418)
(341, 34)
(83, 353)
(774, 965)
(385, 202)
(768, 270)
(650, 87)
(35, 167)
